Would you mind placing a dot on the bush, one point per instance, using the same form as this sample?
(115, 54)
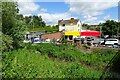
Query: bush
(18, 34)
(112, 70)
(36, 61)
(23, 63)
(67, 52)
(7, 42)
(84, 45)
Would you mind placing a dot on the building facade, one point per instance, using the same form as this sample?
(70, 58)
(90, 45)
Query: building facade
(71, 27)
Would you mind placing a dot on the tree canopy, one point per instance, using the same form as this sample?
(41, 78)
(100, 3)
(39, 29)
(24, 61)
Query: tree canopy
(12, 27)
(33, 20)
(9, 12)
(110, 27)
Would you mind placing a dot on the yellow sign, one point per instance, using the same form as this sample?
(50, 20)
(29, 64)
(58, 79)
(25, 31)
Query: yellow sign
(74, 33)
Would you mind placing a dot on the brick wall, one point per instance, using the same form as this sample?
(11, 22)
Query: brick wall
(56, 35)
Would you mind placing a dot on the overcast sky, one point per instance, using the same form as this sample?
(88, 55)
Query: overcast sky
(91, 12)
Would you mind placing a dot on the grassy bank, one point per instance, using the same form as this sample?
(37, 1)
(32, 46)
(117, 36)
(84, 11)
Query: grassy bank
(48, 29)
(50, 60)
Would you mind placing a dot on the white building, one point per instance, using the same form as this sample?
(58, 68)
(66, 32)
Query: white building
(70, 25)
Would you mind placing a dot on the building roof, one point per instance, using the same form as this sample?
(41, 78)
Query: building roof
(68, 22)
(90, 33)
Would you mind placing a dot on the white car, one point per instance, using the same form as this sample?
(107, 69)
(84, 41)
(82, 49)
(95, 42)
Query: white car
(111, 41)
(47, 40)
(27, 41)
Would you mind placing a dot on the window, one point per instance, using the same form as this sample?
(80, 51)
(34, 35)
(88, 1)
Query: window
(111, 40)
(66, 37)
(71, 24)
(63, 25)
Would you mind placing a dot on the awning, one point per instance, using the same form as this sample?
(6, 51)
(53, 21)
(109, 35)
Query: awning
(90, 33)
(73, 33)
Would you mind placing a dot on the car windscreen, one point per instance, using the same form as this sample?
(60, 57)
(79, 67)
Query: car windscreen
(111, 40)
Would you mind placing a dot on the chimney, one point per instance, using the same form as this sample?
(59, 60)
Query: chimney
(72, 20)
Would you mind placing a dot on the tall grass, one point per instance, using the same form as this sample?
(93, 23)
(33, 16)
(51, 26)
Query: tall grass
(35, 61)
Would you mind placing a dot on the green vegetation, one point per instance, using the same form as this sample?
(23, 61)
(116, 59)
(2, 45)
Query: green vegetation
(46, 29)
(32, 20)
(6, 42)
(12, 28)
(46, 60)
(36, 23)
(52, 61)
(110, 27)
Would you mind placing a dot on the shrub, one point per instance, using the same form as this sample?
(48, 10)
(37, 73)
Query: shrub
(6, 42)
(30, 63)
(84, 45)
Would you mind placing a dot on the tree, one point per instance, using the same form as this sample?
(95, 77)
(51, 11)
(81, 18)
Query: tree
(9, 13)
(7, 42)
(20, 17)
(13, 25)
(37, 20)
(18, 33)
(110, 27)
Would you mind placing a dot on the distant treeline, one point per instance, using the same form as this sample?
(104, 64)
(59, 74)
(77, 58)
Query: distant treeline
(110, 27)
(37, 21)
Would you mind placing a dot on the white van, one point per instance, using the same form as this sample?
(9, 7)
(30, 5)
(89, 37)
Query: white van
(111, 41)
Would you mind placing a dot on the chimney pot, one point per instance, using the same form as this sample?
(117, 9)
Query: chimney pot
(72, 20)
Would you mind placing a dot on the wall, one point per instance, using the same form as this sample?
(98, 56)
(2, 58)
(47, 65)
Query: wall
(71, 27)
(79, 26)
(56, 35)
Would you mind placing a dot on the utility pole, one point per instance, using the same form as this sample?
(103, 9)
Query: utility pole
(100, 32)
(32, 38)
(118, 19)
(33, 30)
(118, 34)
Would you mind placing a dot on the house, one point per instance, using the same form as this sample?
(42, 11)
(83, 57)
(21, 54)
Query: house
(71, 27)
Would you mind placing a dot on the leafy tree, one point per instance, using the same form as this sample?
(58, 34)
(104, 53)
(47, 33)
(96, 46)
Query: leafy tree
(110, 27)
(6, 42)
(28, 19)
(86, 26)
(9, 12)
(35, 20)
(20, 17)
(12, 24)
(18, 33)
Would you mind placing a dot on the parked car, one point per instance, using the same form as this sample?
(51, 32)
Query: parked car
(111, 41)
(27, 41)
(115, 45)
(36, 40)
